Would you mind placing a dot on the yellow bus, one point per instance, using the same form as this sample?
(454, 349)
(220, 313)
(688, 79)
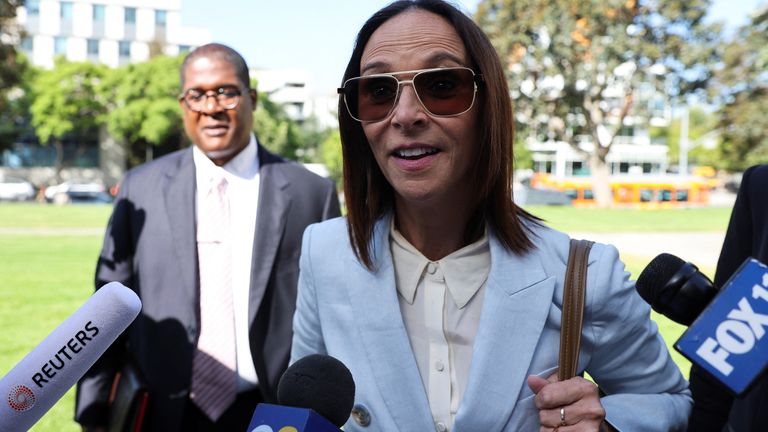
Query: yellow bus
(646, 191)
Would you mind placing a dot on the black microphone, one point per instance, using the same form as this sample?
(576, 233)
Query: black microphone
(675, 288)
(315, 394)
(727, 328)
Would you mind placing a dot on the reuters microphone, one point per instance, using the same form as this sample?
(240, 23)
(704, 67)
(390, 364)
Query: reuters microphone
(316, 394)
(41, 378)
(727, 329)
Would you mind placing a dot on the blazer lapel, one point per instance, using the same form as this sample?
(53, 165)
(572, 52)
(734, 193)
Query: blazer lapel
(517, 302)
(374, 298)
(272, 211)
(179, 194)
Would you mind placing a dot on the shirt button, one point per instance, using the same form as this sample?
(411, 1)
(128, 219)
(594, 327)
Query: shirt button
(441, 427)
(439, 366)
(431, 268)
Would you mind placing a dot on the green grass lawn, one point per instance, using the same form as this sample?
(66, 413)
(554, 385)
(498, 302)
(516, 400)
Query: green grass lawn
(571, 219)
(44, 277)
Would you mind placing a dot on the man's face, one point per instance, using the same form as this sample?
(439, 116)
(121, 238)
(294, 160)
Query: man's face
(219, 132)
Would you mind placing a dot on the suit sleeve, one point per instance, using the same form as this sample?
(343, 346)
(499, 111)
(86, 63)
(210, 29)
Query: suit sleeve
(629, 359)
(114, 264)
(307, 331)
(711, 402)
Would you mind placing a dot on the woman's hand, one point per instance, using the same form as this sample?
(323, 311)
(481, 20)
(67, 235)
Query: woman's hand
(567, 406)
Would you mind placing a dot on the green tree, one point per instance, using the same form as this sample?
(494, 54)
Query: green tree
(142, 106)
(578, 68)
(276, 131)
(742, 87)
(14, 106)
(702, 131)
(13, 102)
(65, 101)
(330, 156)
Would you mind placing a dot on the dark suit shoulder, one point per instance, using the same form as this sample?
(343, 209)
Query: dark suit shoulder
(150, 173)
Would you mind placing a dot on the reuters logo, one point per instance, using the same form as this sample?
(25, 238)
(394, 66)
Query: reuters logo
(21, 398)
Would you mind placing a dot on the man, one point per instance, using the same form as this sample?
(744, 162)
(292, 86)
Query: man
(209, 238)
(714, 408)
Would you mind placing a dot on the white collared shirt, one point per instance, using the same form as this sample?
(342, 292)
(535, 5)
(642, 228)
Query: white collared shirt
(441, 328)
(242, 174)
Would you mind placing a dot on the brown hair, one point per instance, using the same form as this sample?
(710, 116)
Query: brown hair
(367, 193)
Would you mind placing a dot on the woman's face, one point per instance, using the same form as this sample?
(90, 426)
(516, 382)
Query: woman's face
(426, 159)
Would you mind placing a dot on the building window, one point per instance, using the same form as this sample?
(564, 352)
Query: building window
(59, 46)
(161, 17)
(124, 49)
(183, 49)
(130, 15)
(33, 7)
(99, 13)
(93, 47)
(66, 11)
(26, 44)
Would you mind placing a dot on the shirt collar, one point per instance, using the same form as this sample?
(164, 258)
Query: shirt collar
(465, 270)
(244, 165)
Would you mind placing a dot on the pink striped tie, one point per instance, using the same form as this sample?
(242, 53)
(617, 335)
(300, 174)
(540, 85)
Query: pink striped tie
(214, 376)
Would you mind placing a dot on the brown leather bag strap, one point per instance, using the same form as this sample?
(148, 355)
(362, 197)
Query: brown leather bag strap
(574, 293)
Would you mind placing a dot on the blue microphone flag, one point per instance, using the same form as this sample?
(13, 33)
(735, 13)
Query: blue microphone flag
(728, 339)
(276, 418)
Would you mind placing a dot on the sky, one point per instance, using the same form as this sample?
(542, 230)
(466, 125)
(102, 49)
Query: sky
(318, 35)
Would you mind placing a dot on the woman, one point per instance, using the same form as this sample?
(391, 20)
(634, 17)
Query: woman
(445, 302)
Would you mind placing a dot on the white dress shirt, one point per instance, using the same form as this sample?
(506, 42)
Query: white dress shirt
(441, 328)
(242, 174)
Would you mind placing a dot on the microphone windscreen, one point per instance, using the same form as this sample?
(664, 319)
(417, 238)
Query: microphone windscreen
(321, 383)
(656, 275)
(42, 377)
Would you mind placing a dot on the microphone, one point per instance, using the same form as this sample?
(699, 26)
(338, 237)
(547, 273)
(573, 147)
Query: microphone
(675, 288)
(726, 333)
(41, 378)
(316, 394)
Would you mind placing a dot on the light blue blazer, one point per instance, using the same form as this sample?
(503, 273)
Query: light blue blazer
(346, 311)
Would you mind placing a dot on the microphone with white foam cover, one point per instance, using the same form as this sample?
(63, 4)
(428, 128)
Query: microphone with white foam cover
(41, 378)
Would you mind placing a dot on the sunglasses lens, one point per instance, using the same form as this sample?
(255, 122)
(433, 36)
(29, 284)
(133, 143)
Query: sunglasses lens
(446, 92)
(371, 98)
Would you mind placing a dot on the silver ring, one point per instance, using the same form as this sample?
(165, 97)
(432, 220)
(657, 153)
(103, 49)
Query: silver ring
(562, 417)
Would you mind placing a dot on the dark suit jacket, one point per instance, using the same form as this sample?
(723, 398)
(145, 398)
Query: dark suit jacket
(747, 236)
(150, 247)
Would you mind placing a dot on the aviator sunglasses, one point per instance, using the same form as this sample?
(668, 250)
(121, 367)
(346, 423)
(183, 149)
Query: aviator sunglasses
(443, 92)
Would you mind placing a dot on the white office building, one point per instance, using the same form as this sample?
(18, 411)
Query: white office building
(294, 89)
(112, 32)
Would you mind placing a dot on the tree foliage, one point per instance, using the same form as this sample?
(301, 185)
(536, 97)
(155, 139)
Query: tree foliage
(742, 88)
(65, 101)
(583, 68)
(276, 131)
(331, 156)
(142, 106)
(702, 131)
(13, 98)
(10, 34)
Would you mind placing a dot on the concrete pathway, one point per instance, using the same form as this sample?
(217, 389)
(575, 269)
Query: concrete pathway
(700, 248)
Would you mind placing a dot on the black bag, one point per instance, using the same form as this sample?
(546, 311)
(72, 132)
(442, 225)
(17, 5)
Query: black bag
(128, 400)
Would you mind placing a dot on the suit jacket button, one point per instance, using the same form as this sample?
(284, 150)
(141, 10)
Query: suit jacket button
(361, 415)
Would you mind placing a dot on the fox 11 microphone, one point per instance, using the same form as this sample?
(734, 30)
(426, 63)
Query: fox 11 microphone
(726, 333)
(41, 378)
(315, 394)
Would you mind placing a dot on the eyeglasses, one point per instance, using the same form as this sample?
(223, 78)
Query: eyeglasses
(443, 92)
(227, 97)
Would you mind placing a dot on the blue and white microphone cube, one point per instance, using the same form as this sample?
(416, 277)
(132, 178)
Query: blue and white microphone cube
(728, 339)
(278, 418)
